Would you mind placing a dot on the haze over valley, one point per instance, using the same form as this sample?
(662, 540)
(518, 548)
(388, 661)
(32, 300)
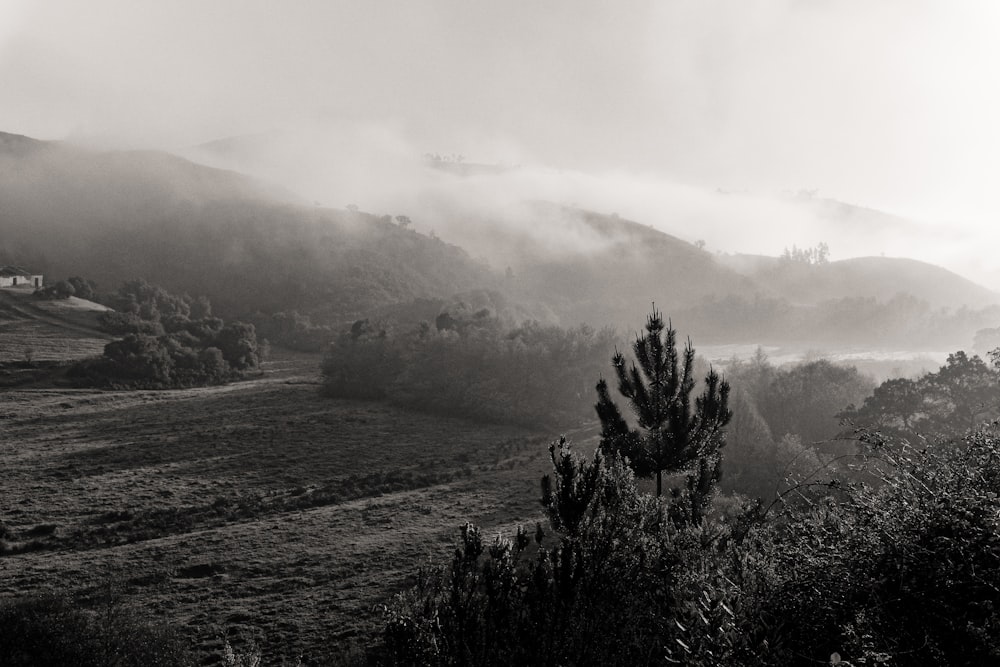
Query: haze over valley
(456, 333)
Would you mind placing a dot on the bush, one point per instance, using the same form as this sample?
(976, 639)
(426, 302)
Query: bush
(903, 573)
(618, 583)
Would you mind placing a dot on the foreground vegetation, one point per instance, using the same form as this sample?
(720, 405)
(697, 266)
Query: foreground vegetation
(905, 572)
(262, 515)
(894, 561)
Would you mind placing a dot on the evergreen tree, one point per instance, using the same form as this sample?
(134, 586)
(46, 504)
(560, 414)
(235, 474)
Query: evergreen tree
(671, 437)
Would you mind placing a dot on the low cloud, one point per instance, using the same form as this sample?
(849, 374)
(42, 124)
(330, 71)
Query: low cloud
(483, 205)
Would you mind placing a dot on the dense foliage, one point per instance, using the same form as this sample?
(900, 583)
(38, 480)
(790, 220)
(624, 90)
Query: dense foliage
(471, 365)
(606, 589)
(64, 289)
(785, 424)
(168, 341)
(892, 561)
(293, 330)
(905, 572)
(961, 395)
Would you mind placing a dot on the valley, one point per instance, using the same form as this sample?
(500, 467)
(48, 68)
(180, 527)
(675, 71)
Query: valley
(462, 334)
(262, 512)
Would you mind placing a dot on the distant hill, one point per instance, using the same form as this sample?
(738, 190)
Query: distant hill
(613, 269)
(254, 248)
(246, 245)
(878, 277)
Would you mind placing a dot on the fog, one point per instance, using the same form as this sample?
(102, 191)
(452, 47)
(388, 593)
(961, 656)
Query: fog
(646, 109)
(375, 167)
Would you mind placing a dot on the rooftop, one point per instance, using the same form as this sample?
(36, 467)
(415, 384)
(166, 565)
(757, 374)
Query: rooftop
(14, 271)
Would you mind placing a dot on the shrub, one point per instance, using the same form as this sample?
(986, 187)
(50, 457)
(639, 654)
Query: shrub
(903, 571)
(906, 572)
(617, 584)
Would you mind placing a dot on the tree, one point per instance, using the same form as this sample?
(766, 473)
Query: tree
(961, 395)
(966, 390)
(805, 399)
(610, 584)
(83, 288)
(671, 438)
(238, 343)
(895, 408)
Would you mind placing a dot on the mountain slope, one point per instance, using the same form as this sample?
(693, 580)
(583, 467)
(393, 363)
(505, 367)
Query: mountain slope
(620, 268)
(878, 277)
(248, 246)
(252, 248)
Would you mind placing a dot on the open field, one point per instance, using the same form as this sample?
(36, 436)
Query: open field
(61, 330)
(257, 508)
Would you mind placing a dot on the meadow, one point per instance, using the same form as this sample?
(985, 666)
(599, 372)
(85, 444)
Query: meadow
(35, 330)
(254, 511)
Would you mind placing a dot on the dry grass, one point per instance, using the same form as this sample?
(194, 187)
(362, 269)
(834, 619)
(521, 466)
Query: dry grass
(257, 508)
(61, 330)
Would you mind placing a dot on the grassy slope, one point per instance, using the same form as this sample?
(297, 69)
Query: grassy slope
(54, 330)
(92, 479)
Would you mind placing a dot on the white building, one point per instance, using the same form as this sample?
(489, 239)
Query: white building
(15, 276)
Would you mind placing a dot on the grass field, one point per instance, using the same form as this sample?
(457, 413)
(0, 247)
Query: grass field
(257, 509)
(35, 330)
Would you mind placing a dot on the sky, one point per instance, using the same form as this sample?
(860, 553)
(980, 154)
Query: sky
(891, 104)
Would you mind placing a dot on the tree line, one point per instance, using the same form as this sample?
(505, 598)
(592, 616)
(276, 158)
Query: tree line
(470, 364)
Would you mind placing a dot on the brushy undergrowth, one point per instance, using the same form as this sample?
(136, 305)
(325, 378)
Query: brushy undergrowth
(902, 571)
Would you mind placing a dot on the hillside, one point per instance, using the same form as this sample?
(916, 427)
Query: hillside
(37, 338)
(247, 246)
(612, 269)
(59, 330)
(254, 248)
(878, 277)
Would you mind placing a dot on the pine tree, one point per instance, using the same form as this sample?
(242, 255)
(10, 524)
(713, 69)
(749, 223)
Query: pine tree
(671, 438)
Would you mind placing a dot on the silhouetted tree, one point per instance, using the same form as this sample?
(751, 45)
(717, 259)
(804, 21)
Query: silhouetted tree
(671, 438)
(966, 390)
